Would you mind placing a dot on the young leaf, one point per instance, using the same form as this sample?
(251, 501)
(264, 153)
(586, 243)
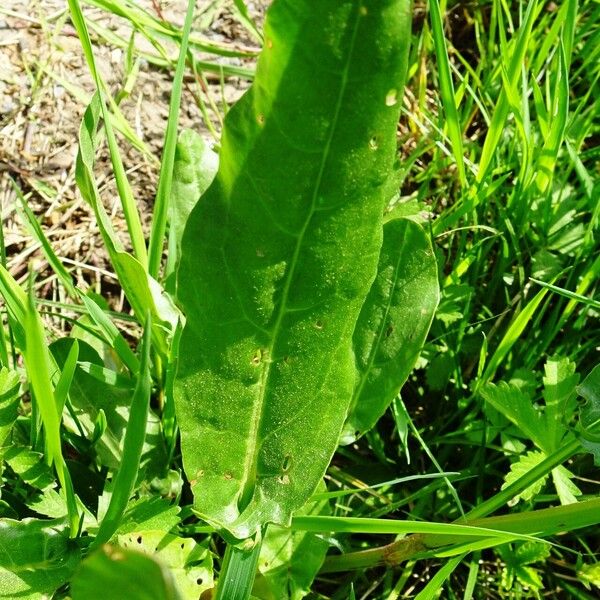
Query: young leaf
(279, 254)
(393, 322)
(165, 179)
(516, 564)
(589, 575)
(30, 466)
(143, 292)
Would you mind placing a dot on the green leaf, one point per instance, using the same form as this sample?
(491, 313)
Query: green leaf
(194, 170)
(145, 295)
(160, 210)
(518, 408)
(30, 466)
(516, 561)
(36, 557)
(150, 513)
(589, 575)
(523, 465)
(560, 381)
(143, 292)
(189, 563)
(393, 322)
(88, 396)
(122, 573)
(126, 476)
(49, 503)
(528, 553)
(278, 257)
(128, 204)
(290, 559)
(589, 413)
(565, 488)
(9, 402)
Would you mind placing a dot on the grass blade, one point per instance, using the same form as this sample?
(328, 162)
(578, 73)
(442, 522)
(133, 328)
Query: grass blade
(130, 211)
(161, 204)
(511, 336)
(560, 111)
(61, 390)
(447, 89)
(502, 106)
(39, 365)
(430, 591)
(37, 232)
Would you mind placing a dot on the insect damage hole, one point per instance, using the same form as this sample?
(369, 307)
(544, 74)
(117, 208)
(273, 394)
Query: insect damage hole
(391, 97)
(257, 358)
(374, 143)
(287, 463)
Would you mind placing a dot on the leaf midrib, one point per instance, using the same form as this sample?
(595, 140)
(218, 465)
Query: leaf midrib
(250, 467)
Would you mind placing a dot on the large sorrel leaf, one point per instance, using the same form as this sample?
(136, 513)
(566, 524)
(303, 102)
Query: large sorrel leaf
(279, 254)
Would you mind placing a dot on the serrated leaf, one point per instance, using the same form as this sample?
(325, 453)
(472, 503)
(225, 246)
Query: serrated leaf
(189, 563)
(279, 254)
(518, 408)
(151, 513)
(528, 553)
(528, 576)
(393, 322)
(589, 575)
(49, 504)
(565, 488)
(516, 561)
(126, 573)
(36, 557)
(30, 466)
(519, 468)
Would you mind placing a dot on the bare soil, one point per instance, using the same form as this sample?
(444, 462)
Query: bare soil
(45, 85)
